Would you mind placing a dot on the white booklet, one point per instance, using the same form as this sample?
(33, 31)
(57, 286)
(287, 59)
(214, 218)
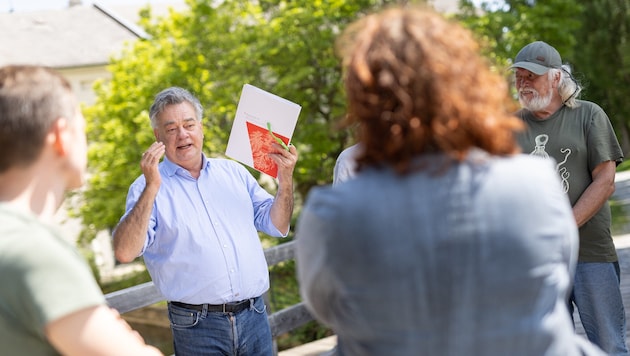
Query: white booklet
(261, 118)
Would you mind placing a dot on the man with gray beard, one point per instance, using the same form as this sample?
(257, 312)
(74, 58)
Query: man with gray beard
(578, 135)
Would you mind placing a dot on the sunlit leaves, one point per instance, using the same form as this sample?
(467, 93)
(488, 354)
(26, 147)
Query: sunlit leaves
(285, 47)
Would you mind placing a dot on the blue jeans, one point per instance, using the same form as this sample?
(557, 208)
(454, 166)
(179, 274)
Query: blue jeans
(597, 296)
(216, 333)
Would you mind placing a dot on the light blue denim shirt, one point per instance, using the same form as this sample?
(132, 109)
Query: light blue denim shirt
(476, 259)
(202, 243)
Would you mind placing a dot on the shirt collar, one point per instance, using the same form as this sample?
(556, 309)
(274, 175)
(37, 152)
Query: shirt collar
(170, 168)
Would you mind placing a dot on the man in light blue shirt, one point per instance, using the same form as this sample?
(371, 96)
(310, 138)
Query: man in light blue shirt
(196, 221)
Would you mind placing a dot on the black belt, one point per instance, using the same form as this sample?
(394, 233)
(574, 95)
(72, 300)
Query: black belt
(224, 308)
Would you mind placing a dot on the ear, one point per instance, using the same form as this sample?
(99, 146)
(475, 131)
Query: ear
(157, 136)
(59, 137)
(556, 79)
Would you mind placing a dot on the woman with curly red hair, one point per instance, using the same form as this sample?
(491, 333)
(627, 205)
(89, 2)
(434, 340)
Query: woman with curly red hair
(447, 241)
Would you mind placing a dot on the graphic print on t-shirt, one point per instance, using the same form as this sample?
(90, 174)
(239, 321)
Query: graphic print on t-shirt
(539, 150)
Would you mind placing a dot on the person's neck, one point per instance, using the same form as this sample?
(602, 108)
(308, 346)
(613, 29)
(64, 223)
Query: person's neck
(554, 105)
(193, 167)
(33, 190)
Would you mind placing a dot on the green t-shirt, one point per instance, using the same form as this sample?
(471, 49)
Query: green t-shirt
(42, 278)
(578, 139)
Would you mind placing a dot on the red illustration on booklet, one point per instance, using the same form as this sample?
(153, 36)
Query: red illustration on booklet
(261, 119)
(260, 141)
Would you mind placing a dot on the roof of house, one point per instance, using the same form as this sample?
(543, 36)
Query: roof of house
(77, 36)
(82, 35)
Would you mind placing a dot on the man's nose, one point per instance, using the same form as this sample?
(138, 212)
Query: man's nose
(181, 132)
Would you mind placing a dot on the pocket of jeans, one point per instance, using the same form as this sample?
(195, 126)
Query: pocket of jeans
(256, 306)
(182, 318)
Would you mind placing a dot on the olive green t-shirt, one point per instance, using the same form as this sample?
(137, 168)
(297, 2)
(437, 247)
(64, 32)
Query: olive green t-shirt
(578, 139)
(42, 278)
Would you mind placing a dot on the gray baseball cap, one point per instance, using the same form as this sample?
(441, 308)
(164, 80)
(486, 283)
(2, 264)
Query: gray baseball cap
(537, 57)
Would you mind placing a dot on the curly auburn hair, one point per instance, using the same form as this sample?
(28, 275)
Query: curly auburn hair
(417, 84)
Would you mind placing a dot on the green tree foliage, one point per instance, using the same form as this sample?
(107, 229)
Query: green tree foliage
(592, 36)
(505, 26)
(602, 60)
(285, 47)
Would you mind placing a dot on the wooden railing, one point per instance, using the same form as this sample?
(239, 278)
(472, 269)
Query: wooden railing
(292, 317)
(281, 322)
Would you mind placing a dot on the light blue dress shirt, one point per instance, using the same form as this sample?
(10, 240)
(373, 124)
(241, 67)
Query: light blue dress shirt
(202, 243)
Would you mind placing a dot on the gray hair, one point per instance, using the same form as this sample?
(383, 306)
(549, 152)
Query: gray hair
(569, 88)
(172, 96)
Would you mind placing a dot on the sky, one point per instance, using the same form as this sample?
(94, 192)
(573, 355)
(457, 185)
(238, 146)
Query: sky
(36, 5)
